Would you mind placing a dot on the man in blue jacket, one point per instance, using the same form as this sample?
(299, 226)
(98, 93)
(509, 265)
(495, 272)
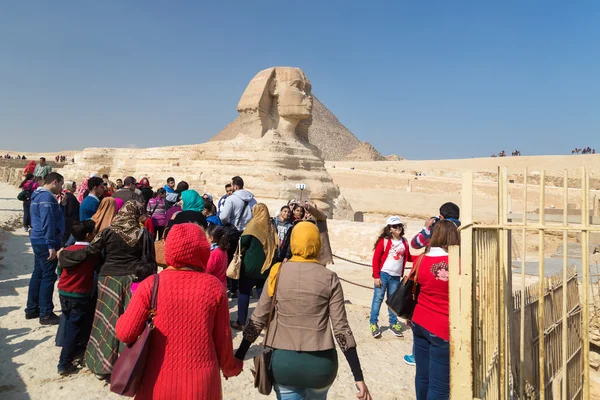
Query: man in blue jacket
(47, 228)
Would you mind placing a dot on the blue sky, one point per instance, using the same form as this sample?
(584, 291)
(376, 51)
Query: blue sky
(419, 79)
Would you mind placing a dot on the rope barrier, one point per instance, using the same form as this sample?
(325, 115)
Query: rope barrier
(353, 262)
(354, 283)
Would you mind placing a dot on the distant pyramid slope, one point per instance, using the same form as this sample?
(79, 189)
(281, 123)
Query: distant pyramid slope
(326, 132)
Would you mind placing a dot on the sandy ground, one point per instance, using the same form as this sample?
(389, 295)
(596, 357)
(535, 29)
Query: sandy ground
(28, 356)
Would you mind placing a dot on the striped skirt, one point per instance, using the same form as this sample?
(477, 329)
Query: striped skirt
(103, 347)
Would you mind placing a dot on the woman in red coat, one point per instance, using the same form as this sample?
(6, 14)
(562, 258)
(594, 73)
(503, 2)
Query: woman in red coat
(191, 343)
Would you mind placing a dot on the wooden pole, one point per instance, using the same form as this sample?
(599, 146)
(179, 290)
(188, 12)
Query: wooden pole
(461, 301)
(522, 327)
(541, 326)
(585, 248)
(565, 311)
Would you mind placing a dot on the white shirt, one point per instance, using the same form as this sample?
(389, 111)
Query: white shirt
(395, 260)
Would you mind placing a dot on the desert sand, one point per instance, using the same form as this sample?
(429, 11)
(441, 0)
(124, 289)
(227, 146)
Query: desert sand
(28, 356)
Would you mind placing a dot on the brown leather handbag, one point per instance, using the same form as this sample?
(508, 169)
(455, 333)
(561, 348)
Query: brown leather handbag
(129, 368)
(263, 376)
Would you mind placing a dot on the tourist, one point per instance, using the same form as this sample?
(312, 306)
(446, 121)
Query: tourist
(282, 223)
(107, 211)
(448, 211)
(109, 186)
(430, 323)
(91, 202)
(128, 191)
(219, 244)
(228, 192)
(391, 252)
(258, 242)
(146, 189)
(304, 362)
(42, 169)
(237, 209)
(158, 213)
(170, 185)
(30, 168)
(298, 213)
(83, 190)
(29, 185)
(119, 184)
(173, 198)
(75, 288)
(320, 219)
(192, 341)
(192, 207)
(70, 207)
(210, 212)
(47, 227)
(122, 249)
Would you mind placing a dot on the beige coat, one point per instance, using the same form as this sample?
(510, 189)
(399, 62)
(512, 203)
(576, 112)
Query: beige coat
(309, 306)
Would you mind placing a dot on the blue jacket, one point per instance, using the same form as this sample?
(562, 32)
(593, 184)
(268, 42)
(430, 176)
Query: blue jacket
(47, 223)
(88, 208)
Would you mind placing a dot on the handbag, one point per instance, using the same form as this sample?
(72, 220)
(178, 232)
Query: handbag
(129, 368)
(233, 270)
(159, 247)
(263, 377)
(404, 300)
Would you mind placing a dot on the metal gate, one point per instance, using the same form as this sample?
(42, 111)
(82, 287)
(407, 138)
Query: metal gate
(482, 306)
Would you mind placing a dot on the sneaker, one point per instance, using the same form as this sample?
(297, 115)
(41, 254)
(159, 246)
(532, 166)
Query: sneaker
(51, 319)
(396, 330)
(409, 359)
(68, 370)
(26, 229)
(236, 325)
(375, 331)
(33, 315)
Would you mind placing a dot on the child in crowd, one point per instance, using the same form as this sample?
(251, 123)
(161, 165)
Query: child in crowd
(219, 244)
(75, 290)
(390, 255)
(142, 271)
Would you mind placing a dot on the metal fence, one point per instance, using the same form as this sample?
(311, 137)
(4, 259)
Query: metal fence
(495, 346)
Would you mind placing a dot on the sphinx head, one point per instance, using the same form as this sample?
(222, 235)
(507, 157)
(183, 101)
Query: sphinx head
(277, 98)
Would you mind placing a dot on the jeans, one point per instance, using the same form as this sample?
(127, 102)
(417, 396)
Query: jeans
(245, 290)
(389, 284)
(26, 214)
(78, 325)
(41, 284)
(432, 356)
(298, 393)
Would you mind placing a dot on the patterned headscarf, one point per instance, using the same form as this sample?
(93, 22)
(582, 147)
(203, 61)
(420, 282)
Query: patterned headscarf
(82, 188)
(126, 223)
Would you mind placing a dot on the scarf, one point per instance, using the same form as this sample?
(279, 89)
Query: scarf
(30, 168)
(261, 227)
(305, 242)
(82, 188)
(105, 214)
(192, 201)
(126, 222)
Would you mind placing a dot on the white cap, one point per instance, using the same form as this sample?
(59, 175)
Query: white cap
(394, 220)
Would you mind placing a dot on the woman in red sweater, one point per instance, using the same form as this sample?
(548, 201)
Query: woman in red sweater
(430, 323)
(191, 343)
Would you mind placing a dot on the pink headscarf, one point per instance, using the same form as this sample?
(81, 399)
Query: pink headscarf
(119, 203)
(82, 188)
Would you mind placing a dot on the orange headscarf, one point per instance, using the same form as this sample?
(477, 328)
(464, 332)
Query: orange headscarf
(105, 214)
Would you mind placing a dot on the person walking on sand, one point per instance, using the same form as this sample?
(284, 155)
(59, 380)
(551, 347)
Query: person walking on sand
(122, 246)
(47, 227)
(391, 252)
(29, 185)
(309, 306)
(191, 344)
(431, 323)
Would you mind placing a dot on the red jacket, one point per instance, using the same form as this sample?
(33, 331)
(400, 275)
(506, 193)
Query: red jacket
(79, 279)
(191, 343)
(380, 255)
(431, 311)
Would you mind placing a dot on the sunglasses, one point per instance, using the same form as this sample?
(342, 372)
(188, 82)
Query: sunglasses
(398, 226)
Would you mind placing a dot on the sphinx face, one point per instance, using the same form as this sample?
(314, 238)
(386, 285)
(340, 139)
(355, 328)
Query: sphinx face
(293, 90)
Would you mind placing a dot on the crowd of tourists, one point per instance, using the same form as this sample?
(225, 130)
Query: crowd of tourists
(102, 240)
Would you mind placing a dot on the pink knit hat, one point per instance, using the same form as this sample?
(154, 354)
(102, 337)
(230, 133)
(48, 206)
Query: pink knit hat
(186, 246)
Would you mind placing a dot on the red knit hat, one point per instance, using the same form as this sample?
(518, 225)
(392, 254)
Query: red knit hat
(186, 246)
